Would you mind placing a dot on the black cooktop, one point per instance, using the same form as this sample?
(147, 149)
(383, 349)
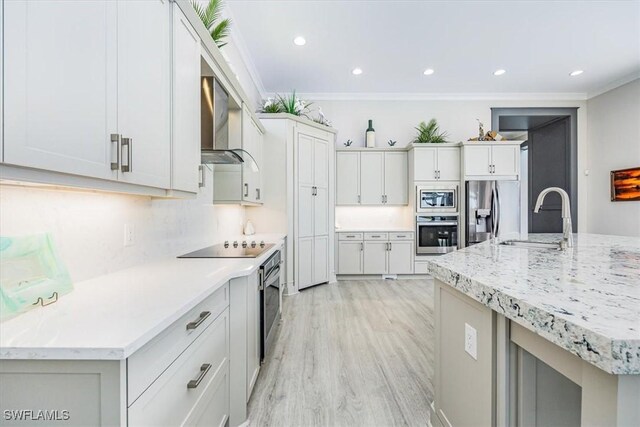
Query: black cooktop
(231, 250)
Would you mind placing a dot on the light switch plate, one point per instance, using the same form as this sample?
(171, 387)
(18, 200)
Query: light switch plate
(471, 341)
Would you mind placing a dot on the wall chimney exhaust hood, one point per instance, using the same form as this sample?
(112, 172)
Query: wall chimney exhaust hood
(214, 110)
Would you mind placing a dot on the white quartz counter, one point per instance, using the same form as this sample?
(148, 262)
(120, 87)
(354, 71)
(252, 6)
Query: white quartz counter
(376, 230)
(112, 316)
(585, 299)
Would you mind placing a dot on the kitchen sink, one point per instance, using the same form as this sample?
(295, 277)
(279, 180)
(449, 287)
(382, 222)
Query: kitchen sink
(532, 244)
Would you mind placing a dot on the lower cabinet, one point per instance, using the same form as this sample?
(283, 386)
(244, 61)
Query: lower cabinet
(375, 253)
(253, 331)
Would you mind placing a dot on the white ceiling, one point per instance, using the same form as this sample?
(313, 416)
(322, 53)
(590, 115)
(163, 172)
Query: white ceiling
(538, 42)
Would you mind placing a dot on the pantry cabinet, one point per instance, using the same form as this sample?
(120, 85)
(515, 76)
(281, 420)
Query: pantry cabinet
(492, 160)
(375, 253)
(371, 177)
(440, 163)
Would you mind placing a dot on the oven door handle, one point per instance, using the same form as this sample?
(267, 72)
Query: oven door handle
(435, 224)
(273, 276)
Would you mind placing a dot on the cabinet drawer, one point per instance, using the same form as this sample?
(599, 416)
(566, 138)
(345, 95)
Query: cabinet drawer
(146, 364)
(172, 399)
(350, 236)
(408, 235)
(376, 236)
(421, 268)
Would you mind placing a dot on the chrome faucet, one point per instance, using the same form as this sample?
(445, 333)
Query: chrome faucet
(567, 236)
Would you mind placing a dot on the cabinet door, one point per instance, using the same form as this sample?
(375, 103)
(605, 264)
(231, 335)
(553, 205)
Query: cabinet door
(185, 149)
(425, 162)
(60, 86)
(350, 257)
(304, 262)
(371, 178)
(248, 137)
(320, 259)
(375, 257)
(449, 164)
(144, 88)
(305, 186)
(321, 184)
(347, 178)
(505, 159)
(253, 331)
(401, 257)
(258, 147)
(396, 188)
(477, 160)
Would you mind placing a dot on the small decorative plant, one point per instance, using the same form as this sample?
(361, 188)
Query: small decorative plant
(271, 106)
(290, 104)
(210, 17)
(429, 133)
(348, 143)
(391, 142)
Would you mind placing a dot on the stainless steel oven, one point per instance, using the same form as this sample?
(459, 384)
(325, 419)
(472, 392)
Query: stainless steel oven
(269, 301)
(436, 234)
(440, 198)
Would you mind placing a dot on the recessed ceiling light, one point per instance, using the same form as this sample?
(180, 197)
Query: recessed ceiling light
(576, 73)
(499, 72)
(299, 41)
(356, 71)
(428, 71)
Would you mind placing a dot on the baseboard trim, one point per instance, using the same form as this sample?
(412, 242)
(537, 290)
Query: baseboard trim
(382, 276)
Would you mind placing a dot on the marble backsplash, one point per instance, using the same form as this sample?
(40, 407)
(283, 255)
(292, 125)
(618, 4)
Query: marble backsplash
(88, 227)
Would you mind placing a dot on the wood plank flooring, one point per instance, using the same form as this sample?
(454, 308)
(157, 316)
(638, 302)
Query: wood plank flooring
(355, 353)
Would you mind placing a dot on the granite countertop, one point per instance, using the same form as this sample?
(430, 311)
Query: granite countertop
(585, 299)
(110, 317)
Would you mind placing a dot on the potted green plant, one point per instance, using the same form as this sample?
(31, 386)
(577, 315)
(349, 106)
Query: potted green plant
(429, 133)
(210, 15)
(290, 104)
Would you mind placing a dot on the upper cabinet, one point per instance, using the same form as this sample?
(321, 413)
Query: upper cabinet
(492, 160)
(432, 163)
(371, 177)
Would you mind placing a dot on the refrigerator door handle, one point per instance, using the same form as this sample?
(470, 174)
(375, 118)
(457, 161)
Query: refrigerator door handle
(497, 212)
(493, 211)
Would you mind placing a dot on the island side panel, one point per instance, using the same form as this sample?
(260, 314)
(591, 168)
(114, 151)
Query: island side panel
(464, 385)
(74, 393)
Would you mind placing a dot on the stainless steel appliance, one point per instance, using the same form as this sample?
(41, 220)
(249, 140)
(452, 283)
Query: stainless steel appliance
(492, 209)
(231, 250)
(269, 301)
(436, 234)
(441, 198)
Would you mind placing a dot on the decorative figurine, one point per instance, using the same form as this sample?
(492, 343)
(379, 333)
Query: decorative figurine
(481, 136)
(348, 143)
(391, 143)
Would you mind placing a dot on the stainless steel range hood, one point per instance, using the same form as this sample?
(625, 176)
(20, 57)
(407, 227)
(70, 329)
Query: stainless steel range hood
(214, 109)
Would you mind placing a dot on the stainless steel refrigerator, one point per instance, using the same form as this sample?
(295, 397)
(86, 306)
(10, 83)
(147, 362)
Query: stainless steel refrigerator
(492, 207)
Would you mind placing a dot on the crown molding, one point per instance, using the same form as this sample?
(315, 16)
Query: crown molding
(506, 96)
(613, 85)
(243, 50)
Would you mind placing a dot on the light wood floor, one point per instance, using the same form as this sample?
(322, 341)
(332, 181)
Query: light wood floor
(356, 353)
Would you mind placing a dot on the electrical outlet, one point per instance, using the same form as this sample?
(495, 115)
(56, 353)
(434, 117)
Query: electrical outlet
(129, 235)
(471, 341)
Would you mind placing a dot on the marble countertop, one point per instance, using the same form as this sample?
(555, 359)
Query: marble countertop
(112, 316)
(585, 299)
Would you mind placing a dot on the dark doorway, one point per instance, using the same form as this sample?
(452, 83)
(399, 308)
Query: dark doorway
(551, 159)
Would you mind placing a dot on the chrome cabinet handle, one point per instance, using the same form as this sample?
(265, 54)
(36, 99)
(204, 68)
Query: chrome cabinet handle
(257, 194)
(202, 181)
(438, 174)
(435, 174)
(351, 236)
(246, 190)
(389, 246)
(127, 142)
(359, 198)
(361, 246)
(198, 322)
(115, 138)
(204, 369)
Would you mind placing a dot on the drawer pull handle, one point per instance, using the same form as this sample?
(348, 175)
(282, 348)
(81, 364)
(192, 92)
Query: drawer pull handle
(401, 235)
(351, 236)
(375, 237)
(196, 323)
(204, 369)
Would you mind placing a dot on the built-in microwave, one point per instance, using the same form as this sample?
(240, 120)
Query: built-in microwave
(432, 199)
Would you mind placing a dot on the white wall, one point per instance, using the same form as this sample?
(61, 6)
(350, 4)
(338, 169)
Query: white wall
(614, 143)
(88, 227)
(396, 119)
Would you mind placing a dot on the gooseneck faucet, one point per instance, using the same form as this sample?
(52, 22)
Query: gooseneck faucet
(567, 236)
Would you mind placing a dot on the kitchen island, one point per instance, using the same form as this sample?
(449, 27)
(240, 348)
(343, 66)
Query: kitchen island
(529, 336)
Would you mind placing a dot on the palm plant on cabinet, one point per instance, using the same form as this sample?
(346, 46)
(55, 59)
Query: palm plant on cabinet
(210, 17)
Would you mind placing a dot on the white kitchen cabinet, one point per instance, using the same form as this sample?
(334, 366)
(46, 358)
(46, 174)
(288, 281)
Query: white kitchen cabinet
(348, 173)
(375, 257)
(400, 257)
(103, 110)
(396, 189)
(185, 146)
(251, 173)
(371, 178)
(350, 257)
(436, 163)
(60, 86)
(492, 160)
(253, 331)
